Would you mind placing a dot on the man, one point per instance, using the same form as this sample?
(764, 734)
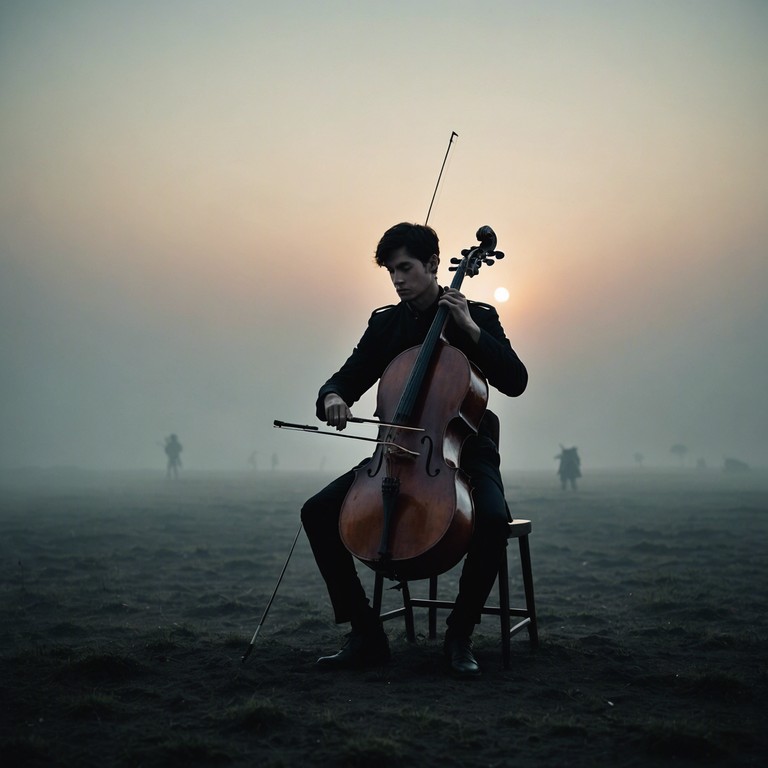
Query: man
(173, 452)
(411, 255)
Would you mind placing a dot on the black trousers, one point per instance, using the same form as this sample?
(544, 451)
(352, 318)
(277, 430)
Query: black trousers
(320, 517)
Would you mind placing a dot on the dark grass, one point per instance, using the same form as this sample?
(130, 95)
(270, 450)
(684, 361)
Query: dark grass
(127, 603)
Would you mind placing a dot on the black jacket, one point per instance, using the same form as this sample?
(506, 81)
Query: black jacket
(395, 328)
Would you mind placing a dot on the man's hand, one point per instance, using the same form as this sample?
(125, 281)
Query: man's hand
(456, 304)
(336, 411)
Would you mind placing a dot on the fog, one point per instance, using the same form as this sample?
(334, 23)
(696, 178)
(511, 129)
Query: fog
(192, 193)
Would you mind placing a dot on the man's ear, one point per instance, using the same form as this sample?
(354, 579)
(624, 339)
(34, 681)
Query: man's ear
(433, 263)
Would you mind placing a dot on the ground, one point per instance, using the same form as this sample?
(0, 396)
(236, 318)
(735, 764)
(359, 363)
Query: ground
(128, 601)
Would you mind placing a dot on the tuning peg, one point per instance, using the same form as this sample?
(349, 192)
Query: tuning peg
(455, 261)
(499, 254)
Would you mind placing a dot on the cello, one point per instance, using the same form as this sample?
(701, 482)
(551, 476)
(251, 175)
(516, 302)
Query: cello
(409, 512)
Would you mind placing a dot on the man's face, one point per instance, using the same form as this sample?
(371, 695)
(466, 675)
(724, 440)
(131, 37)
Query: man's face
(414, 281)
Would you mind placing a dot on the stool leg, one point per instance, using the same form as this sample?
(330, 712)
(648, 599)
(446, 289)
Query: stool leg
(378, 589)
(504, 608)
(530, 603)
(410, 630)
(432, 609)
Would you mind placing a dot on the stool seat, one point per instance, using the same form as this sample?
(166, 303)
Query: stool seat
(517, 529)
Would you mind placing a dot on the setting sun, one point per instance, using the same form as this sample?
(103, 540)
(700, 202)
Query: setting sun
(501, 294)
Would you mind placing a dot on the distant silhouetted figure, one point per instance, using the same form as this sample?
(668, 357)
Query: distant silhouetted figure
(275, 461)
(173, 452)
(253, 460)
(570, 466)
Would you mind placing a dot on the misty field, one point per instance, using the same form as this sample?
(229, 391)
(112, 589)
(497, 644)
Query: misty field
(128, 601)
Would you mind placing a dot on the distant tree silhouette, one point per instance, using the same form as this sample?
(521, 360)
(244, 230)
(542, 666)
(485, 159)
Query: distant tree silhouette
(680, 450)
(735, 465)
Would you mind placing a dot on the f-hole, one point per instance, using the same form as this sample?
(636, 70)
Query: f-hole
(427, 439)
(374, 472)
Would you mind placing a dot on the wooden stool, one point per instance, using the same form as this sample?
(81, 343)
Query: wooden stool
(518, 529)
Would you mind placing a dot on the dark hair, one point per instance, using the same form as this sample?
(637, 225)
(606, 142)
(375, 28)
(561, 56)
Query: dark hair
(418, 239)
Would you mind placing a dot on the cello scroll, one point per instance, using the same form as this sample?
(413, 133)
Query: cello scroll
(485, 253)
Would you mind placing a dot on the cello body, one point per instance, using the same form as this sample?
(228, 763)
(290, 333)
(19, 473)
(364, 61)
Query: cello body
(428, 527)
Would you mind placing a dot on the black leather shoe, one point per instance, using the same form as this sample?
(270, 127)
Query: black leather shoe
(369, 649)
(461, 660)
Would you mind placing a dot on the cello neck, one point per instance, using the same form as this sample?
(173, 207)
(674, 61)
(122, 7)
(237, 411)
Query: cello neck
(413, 386)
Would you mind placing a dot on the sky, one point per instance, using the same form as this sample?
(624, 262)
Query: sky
(192, 192)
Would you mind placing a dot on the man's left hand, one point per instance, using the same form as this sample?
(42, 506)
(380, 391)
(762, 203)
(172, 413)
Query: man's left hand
(456, 303)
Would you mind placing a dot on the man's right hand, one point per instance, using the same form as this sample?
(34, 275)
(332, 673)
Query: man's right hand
(336, 411)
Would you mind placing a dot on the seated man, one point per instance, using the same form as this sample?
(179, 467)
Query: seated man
(410, 254)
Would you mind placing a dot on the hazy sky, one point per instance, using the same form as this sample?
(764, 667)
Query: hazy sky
(191, 193)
